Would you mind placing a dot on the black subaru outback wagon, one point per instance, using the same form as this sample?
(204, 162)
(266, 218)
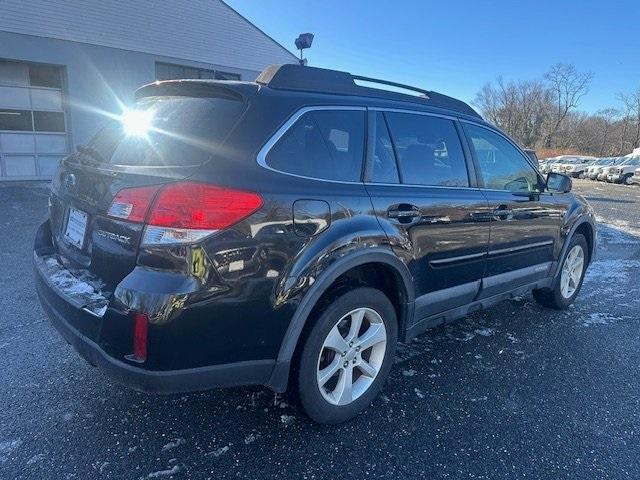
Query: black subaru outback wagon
(290, 231)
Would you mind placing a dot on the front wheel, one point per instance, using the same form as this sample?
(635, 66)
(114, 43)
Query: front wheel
(567, 286)
(347, 355)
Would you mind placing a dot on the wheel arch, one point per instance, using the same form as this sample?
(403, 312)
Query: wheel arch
(381, 257)
(588, 230)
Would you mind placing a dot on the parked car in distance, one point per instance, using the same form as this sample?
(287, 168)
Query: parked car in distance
(623, 172)
(636, 176)
(576, 168)
(596, 167)
(288, 232)
(545, 166)
(604, 171)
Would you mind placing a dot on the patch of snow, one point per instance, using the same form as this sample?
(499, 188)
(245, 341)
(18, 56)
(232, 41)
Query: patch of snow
(478, 399)
(218, 452)
(287, 419)
(164, 473)
(418, 392)
(485, 332)
(176, 443)
(602, 319)
(251, 438)
(612, 272)
(617, 232)
(36, 458)
(409, 373)
(6, 448)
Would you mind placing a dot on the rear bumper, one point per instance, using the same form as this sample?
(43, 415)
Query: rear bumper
(69, 319)
(241, 373)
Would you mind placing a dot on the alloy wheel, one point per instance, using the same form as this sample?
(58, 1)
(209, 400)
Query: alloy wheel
(351, 356)
(572, 271)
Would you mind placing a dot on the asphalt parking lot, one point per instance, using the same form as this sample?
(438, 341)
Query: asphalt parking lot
(517, 391)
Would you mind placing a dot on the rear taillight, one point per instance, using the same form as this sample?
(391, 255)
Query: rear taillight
(183, 212)
(132, 203)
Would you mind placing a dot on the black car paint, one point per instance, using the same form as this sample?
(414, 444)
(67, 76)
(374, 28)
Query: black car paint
(217, 325)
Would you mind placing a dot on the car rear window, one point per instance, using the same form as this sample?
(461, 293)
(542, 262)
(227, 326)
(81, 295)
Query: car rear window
(182, 131)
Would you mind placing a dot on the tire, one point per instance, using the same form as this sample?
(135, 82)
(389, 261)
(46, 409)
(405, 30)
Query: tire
(628, 180)
(562, 295)
(333, 404)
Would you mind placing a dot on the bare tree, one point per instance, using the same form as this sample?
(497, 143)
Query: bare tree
(544, 114)
(519, 108)
(605, 120)
(567, 86)
(632, 109)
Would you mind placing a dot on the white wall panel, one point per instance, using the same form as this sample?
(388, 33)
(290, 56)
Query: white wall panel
(17, 143)
(51, 143)
(14, 97)
(46, 99)
(48, 165)
(200, 30)
(19, 166)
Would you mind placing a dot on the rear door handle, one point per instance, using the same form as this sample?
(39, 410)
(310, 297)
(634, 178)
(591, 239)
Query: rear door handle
(503, 212)
(404, 213)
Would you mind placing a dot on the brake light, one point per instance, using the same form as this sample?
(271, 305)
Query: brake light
(201, 206)
(183, 212)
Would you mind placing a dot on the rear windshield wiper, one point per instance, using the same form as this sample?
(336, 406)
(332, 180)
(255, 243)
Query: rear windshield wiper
(90, 152)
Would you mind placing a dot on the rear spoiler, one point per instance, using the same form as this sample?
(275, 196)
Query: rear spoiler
(230, 90)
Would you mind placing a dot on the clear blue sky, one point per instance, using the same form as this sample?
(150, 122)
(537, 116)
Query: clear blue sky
(456, 46)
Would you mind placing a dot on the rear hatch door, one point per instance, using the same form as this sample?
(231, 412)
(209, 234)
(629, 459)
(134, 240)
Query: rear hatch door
(164, 139)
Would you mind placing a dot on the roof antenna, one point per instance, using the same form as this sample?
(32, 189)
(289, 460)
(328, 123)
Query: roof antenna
(303, 41)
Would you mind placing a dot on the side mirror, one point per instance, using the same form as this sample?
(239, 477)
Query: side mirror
(559, 183)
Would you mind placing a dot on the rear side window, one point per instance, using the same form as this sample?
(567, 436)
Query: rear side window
(383, 164)
(428, 149)
(324, 144)
(182, 131)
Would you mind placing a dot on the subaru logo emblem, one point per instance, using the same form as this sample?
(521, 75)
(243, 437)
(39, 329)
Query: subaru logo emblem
(70, 180)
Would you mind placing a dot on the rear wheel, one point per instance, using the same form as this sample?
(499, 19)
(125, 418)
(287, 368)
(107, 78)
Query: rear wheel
(347, 355)
(574, 266)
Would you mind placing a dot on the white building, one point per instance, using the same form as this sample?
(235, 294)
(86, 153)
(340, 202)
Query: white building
(62, 61)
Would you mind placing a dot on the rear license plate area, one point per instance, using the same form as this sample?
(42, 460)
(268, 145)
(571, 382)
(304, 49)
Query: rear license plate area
(76, 229)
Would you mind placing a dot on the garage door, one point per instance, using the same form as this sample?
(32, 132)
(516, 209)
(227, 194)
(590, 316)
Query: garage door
(33, 133)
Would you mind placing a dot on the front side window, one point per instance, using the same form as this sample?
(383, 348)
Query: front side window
(502, 166)
(428, 149)
(324, 144)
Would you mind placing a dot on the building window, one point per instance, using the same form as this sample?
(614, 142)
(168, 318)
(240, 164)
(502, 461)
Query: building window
(16, 120)
(48, 121)
(168, 71)
(45, 76)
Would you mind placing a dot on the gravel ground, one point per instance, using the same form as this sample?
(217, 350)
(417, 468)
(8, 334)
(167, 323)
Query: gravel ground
(514, 392)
